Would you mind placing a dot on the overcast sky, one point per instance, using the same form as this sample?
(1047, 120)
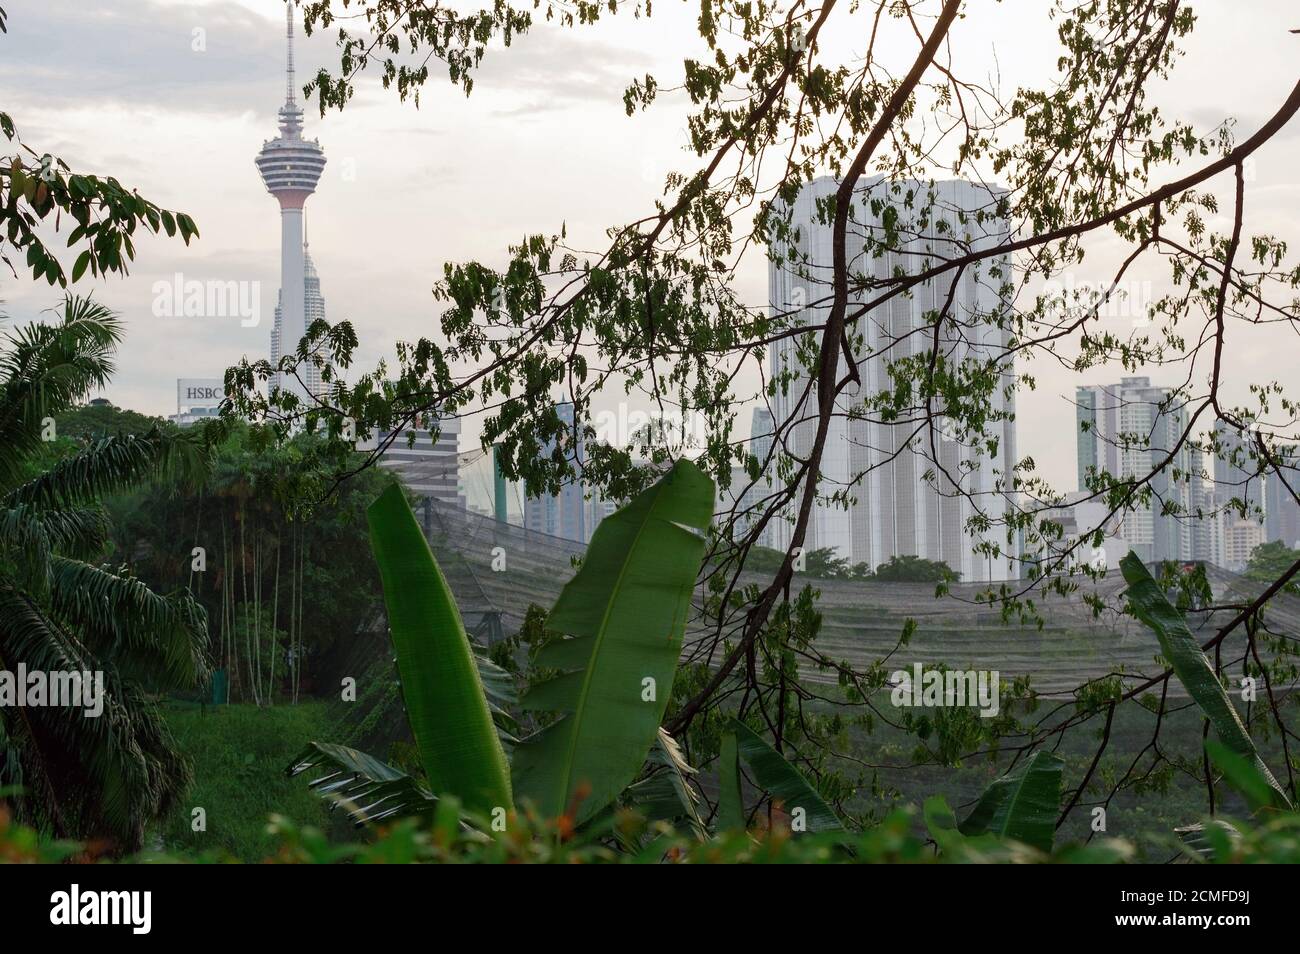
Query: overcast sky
(117, 87)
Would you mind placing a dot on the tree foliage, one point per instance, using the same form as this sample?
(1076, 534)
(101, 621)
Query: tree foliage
(1066, 162)
(64, 608)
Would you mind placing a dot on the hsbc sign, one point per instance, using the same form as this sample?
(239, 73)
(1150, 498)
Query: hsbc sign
(199, 392)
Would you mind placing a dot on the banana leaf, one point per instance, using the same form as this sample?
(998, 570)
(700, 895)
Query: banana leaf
(625, 613)
(371, 790)
(1021, 804)
(444, 695)
(1193, 669)
(665, 793)
(731, 806)
(781, 780)
(1243, 775)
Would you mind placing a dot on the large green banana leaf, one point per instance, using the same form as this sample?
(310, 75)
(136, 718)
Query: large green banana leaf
(371, 790)
(1193, 669)
(625, 612)
(444, 696)
(731, 805)
(778, 778)
(1021, 804)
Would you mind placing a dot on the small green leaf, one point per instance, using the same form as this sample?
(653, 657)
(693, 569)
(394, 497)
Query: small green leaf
(79, 268)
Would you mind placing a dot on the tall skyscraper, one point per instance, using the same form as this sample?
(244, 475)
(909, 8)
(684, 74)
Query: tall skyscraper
(313, 308)
(742, 500)
(1236, 475)
(1125, 430)
(1206, 529)
(1282, 523)
(760, 434)
(573, 513)
(896, 502)
(290, 167)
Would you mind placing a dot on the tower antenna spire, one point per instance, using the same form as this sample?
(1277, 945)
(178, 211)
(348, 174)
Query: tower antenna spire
(288, 42)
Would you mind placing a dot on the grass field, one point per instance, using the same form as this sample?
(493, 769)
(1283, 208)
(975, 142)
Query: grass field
(239, 753)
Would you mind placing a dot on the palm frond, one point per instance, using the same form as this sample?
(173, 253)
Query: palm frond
(26, 546)
(29, 537)
(112, 465)
(46, 368)
(147, 635)
(77, 532)
(102, 776)
(30, 637)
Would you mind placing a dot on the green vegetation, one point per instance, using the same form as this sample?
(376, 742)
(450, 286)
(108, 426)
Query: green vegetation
(585, 736)
(238, 753)
(62, 610)
(287, 572)
(605, 685)
(823, 563)
(1268, 561)
(633, 560)
(880, 391)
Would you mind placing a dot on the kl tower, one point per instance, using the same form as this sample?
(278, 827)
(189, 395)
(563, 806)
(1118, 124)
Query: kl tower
(290, 167)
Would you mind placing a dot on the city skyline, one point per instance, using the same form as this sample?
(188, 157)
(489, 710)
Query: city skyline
(408, 179)
(905, 390)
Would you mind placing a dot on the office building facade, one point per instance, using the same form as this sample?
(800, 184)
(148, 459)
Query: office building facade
(1126, 430)
(895, 499)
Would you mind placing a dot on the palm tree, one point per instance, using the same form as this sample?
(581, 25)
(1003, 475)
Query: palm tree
(104, 777)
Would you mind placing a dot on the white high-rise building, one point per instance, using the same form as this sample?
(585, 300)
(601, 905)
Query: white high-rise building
(1125, 430)
(895, 501)
(291, 167)
(1283, 513)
